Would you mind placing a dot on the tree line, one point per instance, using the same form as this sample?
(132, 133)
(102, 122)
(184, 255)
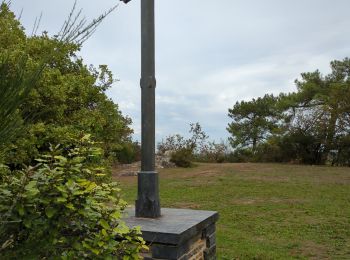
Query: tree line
(310, 126)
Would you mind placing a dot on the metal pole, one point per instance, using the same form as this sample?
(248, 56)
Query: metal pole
(147, 203)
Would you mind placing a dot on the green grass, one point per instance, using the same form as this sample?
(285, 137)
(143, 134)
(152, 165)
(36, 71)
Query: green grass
(267, 211)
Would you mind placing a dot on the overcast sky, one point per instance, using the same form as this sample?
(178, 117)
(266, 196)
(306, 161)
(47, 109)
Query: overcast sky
(209, 54)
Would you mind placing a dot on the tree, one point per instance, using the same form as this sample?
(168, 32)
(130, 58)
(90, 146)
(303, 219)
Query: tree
(67, 101)
(311, 125)
(320, 108)
(253, 121)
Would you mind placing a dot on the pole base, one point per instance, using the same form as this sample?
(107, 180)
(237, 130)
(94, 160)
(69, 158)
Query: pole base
(147, 204)
(178, 234)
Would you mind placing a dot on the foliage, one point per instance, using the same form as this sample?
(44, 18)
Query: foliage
(69, 98)
(195, 148)
(62, 208)
(76, 29)
(326, 100)
(172, 143)
(177, 142)
(309, 126)
(198, 137)
(15, 82)
(182, 157)
(14, 90)
(253, 121)
(129, 153)
(241, 155)
(213, 152)
(182, 150)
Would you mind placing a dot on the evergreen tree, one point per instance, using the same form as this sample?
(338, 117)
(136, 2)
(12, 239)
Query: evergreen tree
(253, 122)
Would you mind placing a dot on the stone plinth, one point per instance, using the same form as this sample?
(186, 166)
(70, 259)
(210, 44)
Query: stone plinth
(178, 234)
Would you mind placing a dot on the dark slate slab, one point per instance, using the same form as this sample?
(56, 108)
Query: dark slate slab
(174, 227)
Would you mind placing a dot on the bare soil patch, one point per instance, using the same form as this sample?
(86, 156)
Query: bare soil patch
(312, 251)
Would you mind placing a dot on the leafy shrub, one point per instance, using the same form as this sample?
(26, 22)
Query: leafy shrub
(182, 150)
(341, 156)
(129, 152)
(64, 208)
(213, 152)
(68, 98)
(182, 157)
(177, 142)
(172, 143)
(241, 156)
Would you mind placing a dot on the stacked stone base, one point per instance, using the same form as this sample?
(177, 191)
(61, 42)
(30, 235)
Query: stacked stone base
(178, 234)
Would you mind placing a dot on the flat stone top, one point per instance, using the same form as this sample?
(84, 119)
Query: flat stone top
(175, 226)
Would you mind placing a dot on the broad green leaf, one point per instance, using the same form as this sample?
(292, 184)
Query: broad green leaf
(61, 199)
(20, 210)
(116, 215)
(70, 206)
(91, 186)
(104, 224)
(30, 185)
(50, 212)
(95, 251)
(61, 158)
(27, 223)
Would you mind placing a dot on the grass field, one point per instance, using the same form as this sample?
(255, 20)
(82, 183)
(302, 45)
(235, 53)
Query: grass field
(267, 211)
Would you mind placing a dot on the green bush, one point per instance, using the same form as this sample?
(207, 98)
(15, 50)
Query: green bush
(64, 208)
(129, 152)
(67, 99)
(240, 156)
(182, 157)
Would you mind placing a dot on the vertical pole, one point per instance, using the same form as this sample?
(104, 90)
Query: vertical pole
(147, 203)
